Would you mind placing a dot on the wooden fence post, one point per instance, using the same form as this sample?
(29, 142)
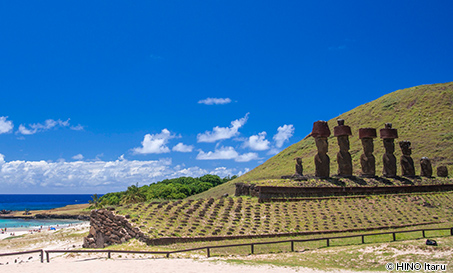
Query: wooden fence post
(47, 256)
(168, 254)
(328, 244)
(451, 231)
(252, 248)
(292, 246)
(394, 236)
(208, 252)
(363, 239)
(108, 255)
(423, 233)
(42, 255)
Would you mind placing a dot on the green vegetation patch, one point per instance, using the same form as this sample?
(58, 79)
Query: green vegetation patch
(245, 216)
(176, 188)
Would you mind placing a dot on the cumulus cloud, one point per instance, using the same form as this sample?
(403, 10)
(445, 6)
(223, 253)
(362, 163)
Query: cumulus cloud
(258, 142)
(247, 157)
(181, 147)
(48, 124)
(221, 153)
(78, 157)
(226, 153)
(6, 126)
(155, 144)
(219, 133)
(92, 176)
(284, 133)
(211, 101)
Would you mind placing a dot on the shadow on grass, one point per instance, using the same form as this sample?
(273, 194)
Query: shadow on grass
(404, 180)
(335, 181)
(384, 180)
(358, 180)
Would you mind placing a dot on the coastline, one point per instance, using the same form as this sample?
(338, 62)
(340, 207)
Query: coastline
(69, 212)
(79, 211)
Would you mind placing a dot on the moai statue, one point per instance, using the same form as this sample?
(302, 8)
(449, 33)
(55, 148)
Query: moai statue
(299, 168)
(388, 136)
(406, 161)
(322, 161)
(342, 133)
(442, 171)
(367, 160)
(426, 168)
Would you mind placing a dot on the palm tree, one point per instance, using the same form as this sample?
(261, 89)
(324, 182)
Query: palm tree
(95, 201)
(133, 195)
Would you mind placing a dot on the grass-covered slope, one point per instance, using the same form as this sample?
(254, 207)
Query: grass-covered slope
(245, 216)
(422, 115)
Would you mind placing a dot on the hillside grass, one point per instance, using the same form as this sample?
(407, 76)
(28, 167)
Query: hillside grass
(422, 115)
(246, 216)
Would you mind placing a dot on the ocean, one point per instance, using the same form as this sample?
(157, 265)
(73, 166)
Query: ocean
(41, 201)
(38, 202)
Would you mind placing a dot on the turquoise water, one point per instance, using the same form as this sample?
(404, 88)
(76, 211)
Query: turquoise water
(35, 223)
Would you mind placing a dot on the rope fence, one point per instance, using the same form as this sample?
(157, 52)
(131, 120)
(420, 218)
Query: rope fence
(209, 248)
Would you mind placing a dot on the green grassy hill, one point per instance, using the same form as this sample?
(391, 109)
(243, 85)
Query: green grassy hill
(422, 115)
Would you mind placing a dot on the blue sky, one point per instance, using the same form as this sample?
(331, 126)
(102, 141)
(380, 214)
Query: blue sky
(99, 95)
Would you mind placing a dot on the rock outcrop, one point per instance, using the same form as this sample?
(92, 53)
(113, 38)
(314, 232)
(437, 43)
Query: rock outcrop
(108, 228)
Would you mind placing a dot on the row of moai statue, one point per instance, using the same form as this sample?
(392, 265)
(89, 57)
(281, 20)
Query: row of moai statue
(388, 135)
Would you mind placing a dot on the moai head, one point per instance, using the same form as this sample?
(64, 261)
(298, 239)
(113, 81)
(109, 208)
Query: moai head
(342, 132)
(388, 135)
(321, 132)
(426, 168)
(442, 171)
(368, 146)
(298, 160)
(389, 145)
(405, 147)
(367, 135)
(322, 145)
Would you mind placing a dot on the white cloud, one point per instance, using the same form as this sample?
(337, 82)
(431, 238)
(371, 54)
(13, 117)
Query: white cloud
(78, 157)
(226, 153)
(181, 147)
(6, 126)
(219, 133)
(91, 177)
(247, 157)
(78, 127)
(155, 144)
(221, 153)
(48, 124)
(283, 134)
(257, 142)
(211, 101)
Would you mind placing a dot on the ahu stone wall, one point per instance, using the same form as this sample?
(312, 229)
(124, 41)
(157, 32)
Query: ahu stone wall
(108, 228)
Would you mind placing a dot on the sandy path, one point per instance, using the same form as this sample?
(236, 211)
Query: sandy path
(97, 263)
(102, 265)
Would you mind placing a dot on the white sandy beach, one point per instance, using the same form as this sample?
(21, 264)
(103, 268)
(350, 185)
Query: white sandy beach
(133, 263)
(102, 265)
